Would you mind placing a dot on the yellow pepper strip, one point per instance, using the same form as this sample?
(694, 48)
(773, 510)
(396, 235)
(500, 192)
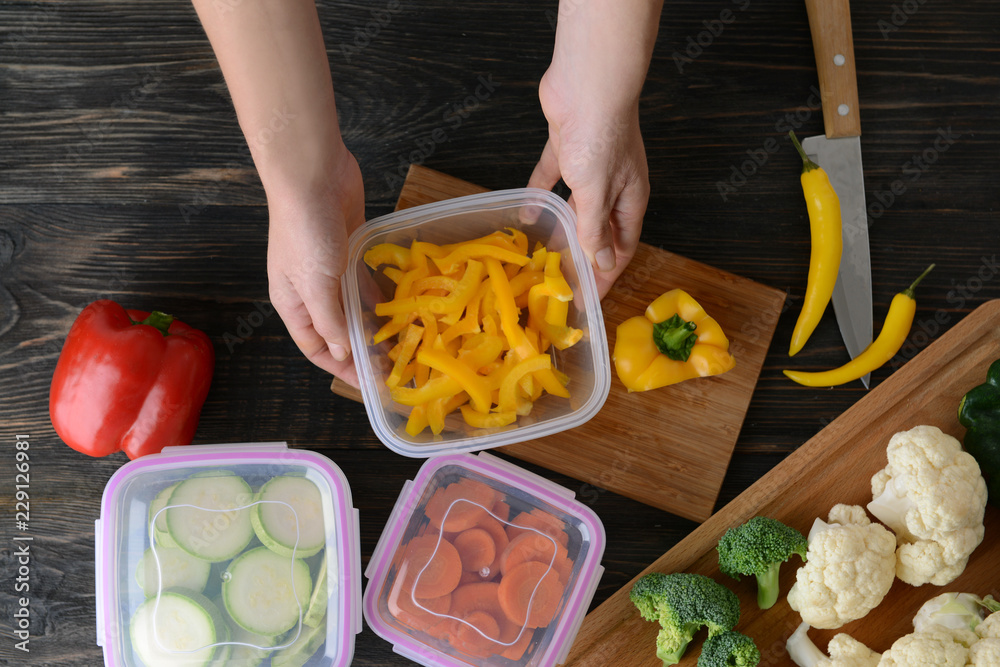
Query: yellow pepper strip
(508, 310)
(471, 251)
(509, 386)
(554, 279)
(482, 351)
(674, 340)
(424, 285)
(408, 346)
(537, 261)
(435, 415)
(487, 420)
(428, 249)
(520, 240)
(473, 384)
(417, 421)
(393, 274)
(826, 233)
(435, 388)
(438, 305)
(387, 253)
(557, 312)
(561, 337)
(393, 327)
(407, 374)
(895, 329)
(521, 283)
(499, 238)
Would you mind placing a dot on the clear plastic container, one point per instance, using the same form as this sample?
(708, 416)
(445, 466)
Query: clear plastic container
(517, 602)
(228, 555)
(543, 217)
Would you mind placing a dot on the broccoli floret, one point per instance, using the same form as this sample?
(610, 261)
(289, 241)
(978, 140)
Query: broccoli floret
(682, 603)
(758, 548)
(729, 649)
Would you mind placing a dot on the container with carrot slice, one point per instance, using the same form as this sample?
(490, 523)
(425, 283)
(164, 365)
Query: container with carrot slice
(483, 563)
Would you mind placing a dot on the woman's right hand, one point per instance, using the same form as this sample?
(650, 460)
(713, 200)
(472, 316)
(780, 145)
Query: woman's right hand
(307, 257)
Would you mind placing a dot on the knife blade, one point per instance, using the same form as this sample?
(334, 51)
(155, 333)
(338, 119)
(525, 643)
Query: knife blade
(838, 152)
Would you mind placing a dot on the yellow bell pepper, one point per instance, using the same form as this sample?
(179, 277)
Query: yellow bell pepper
(674, 340)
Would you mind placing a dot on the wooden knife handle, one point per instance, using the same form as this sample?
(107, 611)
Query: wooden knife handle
(830, 25)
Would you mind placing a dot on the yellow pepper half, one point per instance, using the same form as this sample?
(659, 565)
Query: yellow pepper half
(674, 340)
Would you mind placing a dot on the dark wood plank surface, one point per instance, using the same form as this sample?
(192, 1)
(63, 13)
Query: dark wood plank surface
(123, 173)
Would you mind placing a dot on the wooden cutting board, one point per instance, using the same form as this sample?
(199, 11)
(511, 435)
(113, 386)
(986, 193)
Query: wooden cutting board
(668, 448)
(834, 466)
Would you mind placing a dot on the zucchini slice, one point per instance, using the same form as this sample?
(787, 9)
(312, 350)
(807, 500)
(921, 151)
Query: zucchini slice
(176, 569)
(177, 628)
(290, 507)
(265, 593)
(209, 517)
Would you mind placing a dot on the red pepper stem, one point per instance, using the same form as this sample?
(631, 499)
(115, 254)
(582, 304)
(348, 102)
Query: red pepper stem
(909, 291)
(161, 321)
(807, 164)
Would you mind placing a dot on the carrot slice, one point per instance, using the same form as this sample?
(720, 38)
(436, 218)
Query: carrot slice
(477, 549)
(502, 510)
(476, 633)
(419, 613)
(530, 594)
(539, 520)
(481, 596)
(499, 535)
(460, 505)
(434, 565)
(514, 640)
(531, 546)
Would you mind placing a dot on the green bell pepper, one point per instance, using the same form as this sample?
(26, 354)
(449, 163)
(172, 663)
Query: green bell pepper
(979, 413)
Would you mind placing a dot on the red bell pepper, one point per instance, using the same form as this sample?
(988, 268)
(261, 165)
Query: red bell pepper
(129, 380)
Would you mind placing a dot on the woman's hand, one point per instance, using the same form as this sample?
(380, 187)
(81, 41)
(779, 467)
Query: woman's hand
(590, 97)
(306, 258)
(600, 156)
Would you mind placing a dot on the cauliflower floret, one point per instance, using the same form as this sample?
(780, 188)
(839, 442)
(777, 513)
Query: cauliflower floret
(849, 568)
(933, 496)
(985, 653)
(845, 651)
(931, 648)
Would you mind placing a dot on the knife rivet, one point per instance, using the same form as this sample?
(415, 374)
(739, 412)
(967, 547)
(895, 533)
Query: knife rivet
(843, 109)
(839, 60)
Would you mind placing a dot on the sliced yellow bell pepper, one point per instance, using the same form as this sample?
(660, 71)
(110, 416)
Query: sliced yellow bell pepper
(470, 381)
(438, 305)
(560, 336)
(674, 340)
(472, 251)
(477, 419)
(388, 253)
(509, 386)
(408, 346)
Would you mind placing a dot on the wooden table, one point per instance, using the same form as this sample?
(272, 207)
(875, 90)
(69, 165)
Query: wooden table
(123, 174)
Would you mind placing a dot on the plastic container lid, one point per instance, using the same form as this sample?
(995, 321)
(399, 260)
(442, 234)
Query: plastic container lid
(211, 554)
(529, 556)
(544, 218)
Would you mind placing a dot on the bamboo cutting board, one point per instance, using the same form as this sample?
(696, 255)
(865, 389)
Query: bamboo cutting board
(834, 466)
(670, 447)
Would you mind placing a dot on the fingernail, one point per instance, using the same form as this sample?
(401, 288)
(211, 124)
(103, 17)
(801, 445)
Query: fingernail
(338, 352)
(605, 259)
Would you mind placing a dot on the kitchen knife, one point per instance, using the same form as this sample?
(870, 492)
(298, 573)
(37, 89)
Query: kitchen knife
(838, 152)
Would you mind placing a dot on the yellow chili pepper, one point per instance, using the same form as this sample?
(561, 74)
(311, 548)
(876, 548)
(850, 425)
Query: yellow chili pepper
(895, 329)
(674, 340)
(826, 247)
